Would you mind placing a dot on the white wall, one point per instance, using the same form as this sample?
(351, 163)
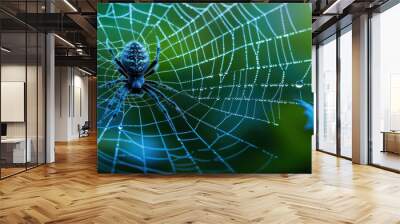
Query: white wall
(62, 82)
(80, 105)
(71, 102)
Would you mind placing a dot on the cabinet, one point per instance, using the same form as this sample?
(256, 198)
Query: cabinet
(391, 141)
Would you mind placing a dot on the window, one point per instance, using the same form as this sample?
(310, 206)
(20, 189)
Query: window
(327, 95)
(22, 78)
(346, 92)
(385, 89)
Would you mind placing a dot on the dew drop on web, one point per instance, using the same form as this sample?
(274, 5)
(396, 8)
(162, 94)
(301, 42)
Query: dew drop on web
(299, 84)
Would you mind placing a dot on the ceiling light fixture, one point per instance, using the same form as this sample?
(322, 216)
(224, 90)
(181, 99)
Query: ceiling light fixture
(331, 7)
(5, 49)
(337, 7)
(84, 71)
(64, 40)
(70, 5)
(79, 51)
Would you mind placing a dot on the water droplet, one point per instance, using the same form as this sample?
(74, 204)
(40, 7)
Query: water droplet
(299, 84)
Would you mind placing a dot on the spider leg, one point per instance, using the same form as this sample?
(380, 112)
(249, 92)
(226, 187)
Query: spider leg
(150, 73)
(120, 70)
(121, 67)
(153, 66)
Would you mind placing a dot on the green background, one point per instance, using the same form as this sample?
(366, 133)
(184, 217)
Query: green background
(238, 68)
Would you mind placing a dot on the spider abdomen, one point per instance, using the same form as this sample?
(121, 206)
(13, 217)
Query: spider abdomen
(135, 58)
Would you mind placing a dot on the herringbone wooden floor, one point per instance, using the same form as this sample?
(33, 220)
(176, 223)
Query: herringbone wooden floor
(71, 191)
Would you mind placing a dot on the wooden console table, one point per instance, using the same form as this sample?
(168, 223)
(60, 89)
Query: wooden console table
(391, 141)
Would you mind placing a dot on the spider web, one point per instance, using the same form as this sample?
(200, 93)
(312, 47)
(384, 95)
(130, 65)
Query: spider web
(227, 67)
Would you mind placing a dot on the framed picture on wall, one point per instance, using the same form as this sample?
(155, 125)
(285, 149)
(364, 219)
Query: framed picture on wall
(204, 88)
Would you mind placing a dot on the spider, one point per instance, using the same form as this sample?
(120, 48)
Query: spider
(133, 64)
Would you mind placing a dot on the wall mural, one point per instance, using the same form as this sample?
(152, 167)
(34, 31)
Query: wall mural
(204, 88)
